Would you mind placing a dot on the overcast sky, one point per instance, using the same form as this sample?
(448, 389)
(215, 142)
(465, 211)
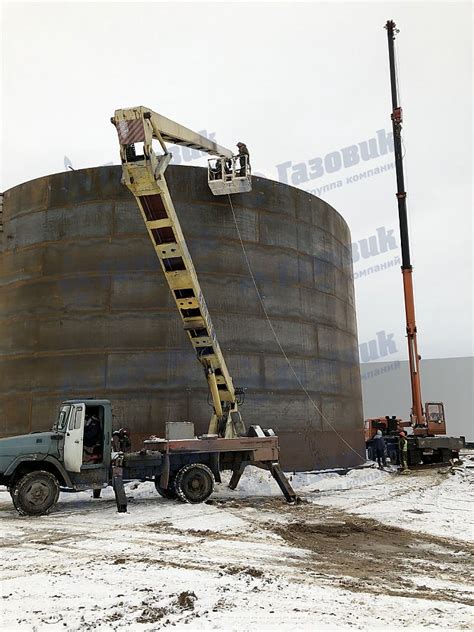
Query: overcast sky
(295, 82)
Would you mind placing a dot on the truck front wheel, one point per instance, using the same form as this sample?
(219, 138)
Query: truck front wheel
(35, 493)
(194, 483)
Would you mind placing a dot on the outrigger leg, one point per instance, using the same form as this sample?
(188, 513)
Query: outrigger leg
(283, 483)
(237, 473)
(119, 491)
(275, 470)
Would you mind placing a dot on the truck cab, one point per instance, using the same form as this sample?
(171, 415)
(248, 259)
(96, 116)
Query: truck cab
(73, 456)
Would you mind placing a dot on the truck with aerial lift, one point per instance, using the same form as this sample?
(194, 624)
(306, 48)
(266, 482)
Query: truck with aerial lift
(77, 454)
(426, 429)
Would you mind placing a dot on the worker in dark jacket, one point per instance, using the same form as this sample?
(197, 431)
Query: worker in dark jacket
(243, 151)
(403, 451)
(379, 445)
(121, 440)
(92, 440)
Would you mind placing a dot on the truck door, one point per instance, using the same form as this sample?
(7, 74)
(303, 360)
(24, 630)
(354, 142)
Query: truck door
(73, 441)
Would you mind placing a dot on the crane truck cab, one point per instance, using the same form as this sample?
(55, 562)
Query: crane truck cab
(435, 420)
(75, 455)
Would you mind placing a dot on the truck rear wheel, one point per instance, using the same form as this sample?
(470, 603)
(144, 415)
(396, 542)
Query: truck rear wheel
(194, 483)
(35, 493)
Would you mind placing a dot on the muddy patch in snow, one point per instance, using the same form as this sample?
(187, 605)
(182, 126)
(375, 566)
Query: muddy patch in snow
(375, 558)
(177, 604)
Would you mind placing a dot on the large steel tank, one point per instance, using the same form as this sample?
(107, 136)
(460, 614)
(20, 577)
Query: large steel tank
(85, 311)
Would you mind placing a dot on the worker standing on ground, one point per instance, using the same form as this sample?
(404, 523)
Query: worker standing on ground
(121, 440)
(403, 451)
(243, 151)
(379, 444)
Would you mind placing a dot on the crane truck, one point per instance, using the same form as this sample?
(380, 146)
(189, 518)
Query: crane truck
(77, 453)
(427, 440)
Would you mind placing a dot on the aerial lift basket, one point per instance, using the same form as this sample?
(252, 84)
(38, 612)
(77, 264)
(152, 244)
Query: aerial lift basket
(229, 175)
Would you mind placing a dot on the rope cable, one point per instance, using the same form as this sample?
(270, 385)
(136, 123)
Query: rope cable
(275, 335)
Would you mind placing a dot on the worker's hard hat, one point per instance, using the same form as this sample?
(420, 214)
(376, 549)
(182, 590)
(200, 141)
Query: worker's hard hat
(401, 433)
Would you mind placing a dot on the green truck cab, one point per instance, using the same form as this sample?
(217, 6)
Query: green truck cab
(75, 455)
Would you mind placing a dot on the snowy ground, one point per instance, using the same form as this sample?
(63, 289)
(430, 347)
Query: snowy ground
(368, 550)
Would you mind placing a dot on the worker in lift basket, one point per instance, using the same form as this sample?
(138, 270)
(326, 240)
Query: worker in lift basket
(403, 451)
(243, 151)
(379, 444)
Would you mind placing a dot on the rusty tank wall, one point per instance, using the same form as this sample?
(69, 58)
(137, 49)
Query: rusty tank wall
(85, 312)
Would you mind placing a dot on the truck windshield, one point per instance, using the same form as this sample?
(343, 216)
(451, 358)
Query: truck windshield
(61, 423)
